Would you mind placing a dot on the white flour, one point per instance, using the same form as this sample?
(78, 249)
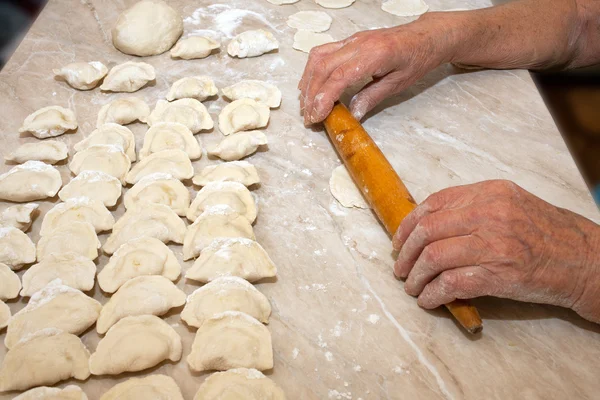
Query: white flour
(225, 19)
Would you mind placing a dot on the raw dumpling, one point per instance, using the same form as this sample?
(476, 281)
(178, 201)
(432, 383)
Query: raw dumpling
(49, 122)
(106, 158)
(19, 216)
(189, 112)
(72, 269)
(48, 151)
(232, 194)
(138, 257)
(214, 222)
(4, 315)
(252, 44)
(55, 306)
(143, 295)
(240, 257)
(159, 188)
(194, 47)
(16, 249)
(173, 162)
(78, 237)
(10, 284)
(238, 383)
(80, 209)
(170, 136)
(148, 28)
(95, 185)
(259, 91)
(231, 340)
(238, 146)
(82, 75)
(153, 220)
(243, 115)
(123, 111)
(225, 294)
(195, 87)
(235, 171)
(344, 189)
(33, 180)
(44, 358)
(110, 134)
(306, 40)
(128, 77)
(134, 344)
(149, 387)
(70, 392)
(314, 21)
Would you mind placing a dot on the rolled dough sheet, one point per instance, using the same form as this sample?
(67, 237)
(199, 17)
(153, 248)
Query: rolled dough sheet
(314, 21)
(306, 40)
(334, 3)
(344, 190)
(405, 8)
(282, 2)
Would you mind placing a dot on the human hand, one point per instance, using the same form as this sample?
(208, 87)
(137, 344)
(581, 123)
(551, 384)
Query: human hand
(394, 57)
(495, 239)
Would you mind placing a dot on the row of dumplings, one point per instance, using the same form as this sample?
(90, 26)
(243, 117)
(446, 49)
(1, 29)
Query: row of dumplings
(218, 385)
(132, 76)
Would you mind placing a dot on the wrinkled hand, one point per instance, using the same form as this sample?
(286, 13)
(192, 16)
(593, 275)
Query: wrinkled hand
(395, 58)
(495, 239)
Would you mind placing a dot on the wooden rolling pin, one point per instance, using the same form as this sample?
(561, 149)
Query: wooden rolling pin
(382, 188)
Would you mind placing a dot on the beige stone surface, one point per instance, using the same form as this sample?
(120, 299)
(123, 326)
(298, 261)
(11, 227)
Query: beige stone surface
(342, 326)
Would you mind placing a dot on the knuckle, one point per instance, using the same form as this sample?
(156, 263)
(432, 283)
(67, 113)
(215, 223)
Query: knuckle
(424, 228)
(434, 201)
(432, 257)
(339, 74)
(319, 62)
(449, 282)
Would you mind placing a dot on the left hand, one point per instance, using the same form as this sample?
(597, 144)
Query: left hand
(495, 239)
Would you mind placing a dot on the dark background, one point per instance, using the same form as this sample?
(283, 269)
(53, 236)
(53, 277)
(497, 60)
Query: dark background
(573, 97)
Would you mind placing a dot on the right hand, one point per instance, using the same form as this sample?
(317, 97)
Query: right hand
(393, 57)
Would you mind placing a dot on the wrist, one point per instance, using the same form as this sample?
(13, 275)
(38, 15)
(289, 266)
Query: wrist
(587, 303)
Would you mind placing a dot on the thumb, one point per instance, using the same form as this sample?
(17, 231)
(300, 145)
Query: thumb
(375, 92)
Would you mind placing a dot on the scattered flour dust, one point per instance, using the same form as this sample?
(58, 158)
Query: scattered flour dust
(322, 344)
(315, 286)
(373, 318)
(337, 329)
(295, 353)
(357, 368)
(401, 370)
(329, 356)
(225, 19)
(334, 394)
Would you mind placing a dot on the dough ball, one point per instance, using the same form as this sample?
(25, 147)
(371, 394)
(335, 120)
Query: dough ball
(148, 28)
(344, 189)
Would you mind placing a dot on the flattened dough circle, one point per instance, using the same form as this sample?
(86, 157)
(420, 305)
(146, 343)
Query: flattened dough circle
(314, 21)
(344, 190)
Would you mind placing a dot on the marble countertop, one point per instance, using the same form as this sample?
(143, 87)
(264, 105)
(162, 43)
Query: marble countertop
(342, 326)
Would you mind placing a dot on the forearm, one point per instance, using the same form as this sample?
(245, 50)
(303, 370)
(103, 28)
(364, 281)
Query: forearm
(532, 34)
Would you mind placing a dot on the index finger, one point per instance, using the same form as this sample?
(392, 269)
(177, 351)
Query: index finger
(314, 57)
